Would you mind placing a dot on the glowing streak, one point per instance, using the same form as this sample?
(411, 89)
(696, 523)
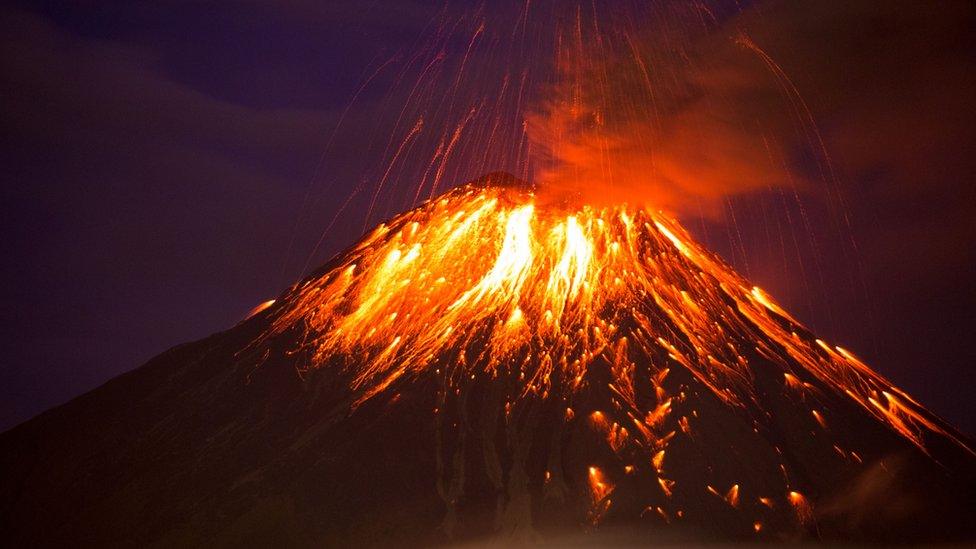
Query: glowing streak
(261, 307)
(802, 508)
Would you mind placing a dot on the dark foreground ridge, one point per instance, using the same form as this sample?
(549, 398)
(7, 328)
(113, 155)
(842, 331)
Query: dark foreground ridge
(225, 442)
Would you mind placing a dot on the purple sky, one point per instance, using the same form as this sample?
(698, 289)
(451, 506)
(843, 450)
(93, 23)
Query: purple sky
(161, 179)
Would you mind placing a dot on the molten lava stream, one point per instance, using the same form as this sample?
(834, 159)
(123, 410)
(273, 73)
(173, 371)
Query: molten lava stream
(487, 283)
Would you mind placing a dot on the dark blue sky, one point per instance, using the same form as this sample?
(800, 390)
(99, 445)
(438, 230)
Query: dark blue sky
(156, 157)
(170, 165)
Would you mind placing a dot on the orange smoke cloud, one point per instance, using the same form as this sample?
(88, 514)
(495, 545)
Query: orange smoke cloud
(677, 117)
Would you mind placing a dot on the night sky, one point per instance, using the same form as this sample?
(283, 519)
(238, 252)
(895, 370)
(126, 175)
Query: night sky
(168, 166)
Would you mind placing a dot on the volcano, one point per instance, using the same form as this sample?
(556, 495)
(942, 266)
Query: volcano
(494, 366)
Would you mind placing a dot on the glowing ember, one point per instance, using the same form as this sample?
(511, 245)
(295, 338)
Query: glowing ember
(804, 513)
(658, 461)
(259, 308)
(600, 490)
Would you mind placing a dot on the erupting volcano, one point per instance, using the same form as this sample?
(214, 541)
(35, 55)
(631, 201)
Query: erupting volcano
(497, 365)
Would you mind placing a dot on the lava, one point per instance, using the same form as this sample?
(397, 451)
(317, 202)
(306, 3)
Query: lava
(613, 318)
(486, 281)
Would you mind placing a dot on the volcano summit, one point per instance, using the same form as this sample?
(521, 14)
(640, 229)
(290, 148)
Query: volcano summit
(492, 366)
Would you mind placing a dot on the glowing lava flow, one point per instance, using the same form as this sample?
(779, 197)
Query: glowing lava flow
(486, 282)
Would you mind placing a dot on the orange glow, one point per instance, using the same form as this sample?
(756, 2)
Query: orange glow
(804, 512)
(261, 307)
(599, 486)
(617, 437)
(600, 490)
(658, 461)
(732, 496)
(663, 514)
(536, 292)
(817, 416)
(656, 416)
(665, 485)
(792, 382)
